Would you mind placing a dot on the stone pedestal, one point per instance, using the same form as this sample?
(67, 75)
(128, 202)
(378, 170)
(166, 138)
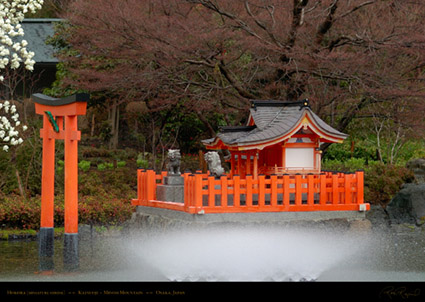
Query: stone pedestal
(71, 251)
(46, 249)
(172, 189)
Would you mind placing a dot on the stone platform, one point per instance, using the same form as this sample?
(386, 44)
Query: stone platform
(157, 218)
(172, 189)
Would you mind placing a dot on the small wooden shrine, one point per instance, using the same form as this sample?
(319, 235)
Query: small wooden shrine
(279, 138)
(275, 166)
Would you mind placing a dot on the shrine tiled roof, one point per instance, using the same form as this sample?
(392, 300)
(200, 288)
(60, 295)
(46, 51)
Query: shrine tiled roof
(271, 120)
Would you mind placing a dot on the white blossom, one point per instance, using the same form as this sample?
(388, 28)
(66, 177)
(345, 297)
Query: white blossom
(10, 134)
(12, 52)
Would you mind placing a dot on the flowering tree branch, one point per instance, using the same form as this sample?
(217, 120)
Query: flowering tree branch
(9, 135)
(11, 15)
(13, 53)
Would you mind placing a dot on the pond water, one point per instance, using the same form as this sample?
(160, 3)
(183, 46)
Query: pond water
(229, 254)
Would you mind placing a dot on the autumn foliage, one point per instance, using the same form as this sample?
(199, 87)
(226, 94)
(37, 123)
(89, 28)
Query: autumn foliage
(215, 55)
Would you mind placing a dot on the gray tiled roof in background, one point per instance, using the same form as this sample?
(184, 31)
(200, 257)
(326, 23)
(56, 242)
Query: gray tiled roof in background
(36, 32)
(273, 119)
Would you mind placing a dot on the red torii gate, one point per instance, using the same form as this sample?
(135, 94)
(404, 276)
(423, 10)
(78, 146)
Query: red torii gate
(60, 122)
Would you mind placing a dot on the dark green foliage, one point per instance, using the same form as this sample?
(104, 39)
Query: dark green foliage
(8, 182)
(348, 150)
(190, 130)
(382, 182)
(24, 161)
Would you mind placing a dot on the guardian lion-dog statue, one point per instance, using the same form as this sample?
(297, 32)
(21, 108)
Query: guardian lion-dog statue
(173, 165)
(214, 163)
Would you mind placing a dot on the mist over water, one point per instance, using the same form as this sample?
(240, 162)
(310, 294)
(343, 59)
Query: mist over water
(231, 253)
(245, 253)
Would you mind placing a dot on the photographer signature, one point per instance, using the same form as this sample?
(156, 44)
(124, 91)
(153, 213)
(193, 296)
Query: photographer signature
(402, 292)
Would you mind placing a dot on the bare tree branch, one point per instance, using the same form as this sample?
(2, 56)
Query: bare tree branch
(354, 9)
(262, 26)
(327, 24)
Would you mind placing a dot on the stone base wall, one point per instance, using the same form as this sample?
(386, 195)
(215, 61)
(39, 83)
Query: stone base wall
(147, 218)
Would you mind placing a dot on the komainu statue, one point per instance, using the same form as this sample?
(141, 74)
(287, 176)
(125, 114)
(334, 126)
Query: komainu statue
(174, 162)
(214, 163)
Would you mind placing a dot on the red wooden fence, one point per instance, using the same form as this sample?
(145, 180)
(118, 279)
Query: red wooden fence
(275, 193)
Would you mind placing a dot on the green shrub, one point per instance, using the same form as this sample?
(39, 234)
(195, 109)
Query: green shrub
(107, 184)
(120, 154)
(383, 181)
(8, 182)
(142, 163)
(91, 184)
(121, 164)
(105, 166)
(120, 183)
(24, 159)
(350, 165)
(90, 152)
(84, 165)
(60, 166)
(343, 152)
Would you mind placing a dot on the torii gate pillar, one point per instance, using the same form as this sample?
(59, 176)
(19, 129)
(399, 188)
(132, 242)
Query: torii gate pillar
(60, 122)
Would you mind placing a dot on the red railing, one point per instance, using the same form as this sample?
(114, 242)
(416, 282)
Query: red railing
(284, 193)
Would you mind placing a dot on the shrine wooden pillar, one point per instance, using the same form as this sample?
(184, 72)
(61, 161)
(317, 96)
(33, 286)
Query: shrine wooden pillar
(232, 165)
(239, 164)
(248, 163)
(60, 122)
(255, 164)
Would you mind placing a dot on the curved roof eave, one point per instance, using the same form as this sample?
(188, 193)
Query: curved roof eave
(325, 127)
(324, 134)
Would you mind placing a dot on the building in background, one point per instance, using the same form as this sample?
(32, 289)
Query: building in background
(20, 84)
